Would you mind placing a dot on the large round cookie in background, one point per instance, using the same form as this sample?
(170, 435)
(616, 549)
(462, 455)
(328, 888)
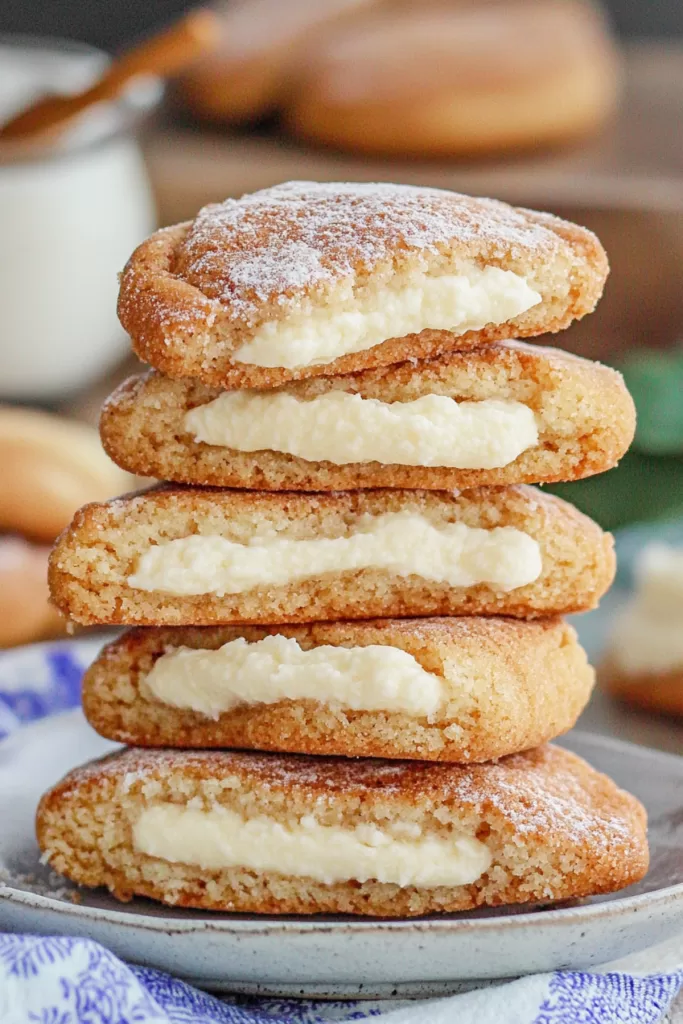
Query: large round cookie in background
(250, 71)
(458, 80)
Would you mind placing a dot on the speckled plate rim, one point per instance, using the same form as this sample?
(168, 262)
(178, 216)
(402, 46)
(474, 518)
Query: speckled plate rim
(588, 912)
(268, 925)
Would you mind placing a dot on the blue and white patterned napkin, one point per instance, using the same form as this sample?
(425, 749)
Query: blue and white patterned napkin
(76, 981)
(60, 980)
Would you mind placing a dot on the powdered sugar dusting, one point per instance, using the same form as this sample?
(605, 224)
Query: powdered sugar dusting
(47, 883)
(269, 245)
(546, 793)
(298, 264)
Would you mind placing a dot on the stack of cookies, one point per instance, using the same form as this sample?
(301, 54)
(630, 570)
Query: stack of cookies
(349, 653)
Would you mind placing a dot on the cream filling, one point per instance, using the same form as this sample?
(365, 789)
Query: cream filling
(220, 838)
(341, 428)
(648, 635)
(373, 678)
(402, 543)
(462, 302)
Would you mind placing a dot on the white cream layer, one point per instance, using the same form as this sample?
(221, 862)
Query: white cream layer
(342, 428)
(459, 303)
(402, 543)
(373, 678)
(220, 838)
(648, 635)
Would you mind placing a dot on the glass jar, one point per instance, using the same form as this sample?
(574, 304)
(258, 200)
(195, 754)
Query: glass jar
(71, 213)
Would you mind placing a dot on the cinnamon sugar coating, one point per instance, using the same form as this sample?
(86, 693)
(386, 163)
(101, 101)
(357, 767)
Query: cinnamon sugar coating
(556, 828)
(194, 293)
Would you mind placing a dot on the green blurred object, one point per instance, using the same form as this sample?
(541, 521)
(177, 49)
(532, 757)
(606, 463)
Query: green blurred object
(641, 488)
(655, 379)
(648, 482)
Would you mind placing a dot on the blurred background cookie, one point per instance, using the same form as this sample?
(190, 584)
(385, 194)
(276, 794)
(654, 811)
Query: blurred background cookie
(25, 615)
(250, 72)
(459, 79)
(402, 78)
(49, 467)
(643, 663)
(55, 465)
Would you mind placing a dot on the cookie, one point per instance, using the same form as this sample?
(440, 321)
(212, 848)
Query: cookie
(54, 465)
(643, 660)
(525, 414)
(459, 689)
(281, 834)
(184, 556)
(25, 612)
(245, 77)
(459, 80)
(305, 279)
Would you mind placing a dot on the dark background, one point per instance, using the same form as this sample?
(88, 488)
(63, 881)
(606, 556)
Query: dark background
(112, 23)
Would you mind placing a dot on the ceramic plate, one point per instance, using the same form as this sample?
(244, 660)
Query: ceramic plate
(335, 956)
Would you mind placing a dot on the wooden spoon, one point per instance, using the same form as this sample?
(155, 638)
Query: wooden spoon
(164, 54)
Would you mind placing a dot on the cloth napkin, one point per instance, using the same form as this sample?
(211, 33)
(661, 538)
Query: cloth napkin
(66, 980)
(61, 980)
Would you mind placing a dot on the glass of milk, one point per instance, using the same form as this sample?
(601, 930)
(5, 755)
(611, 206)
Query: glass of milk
(71, 213)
